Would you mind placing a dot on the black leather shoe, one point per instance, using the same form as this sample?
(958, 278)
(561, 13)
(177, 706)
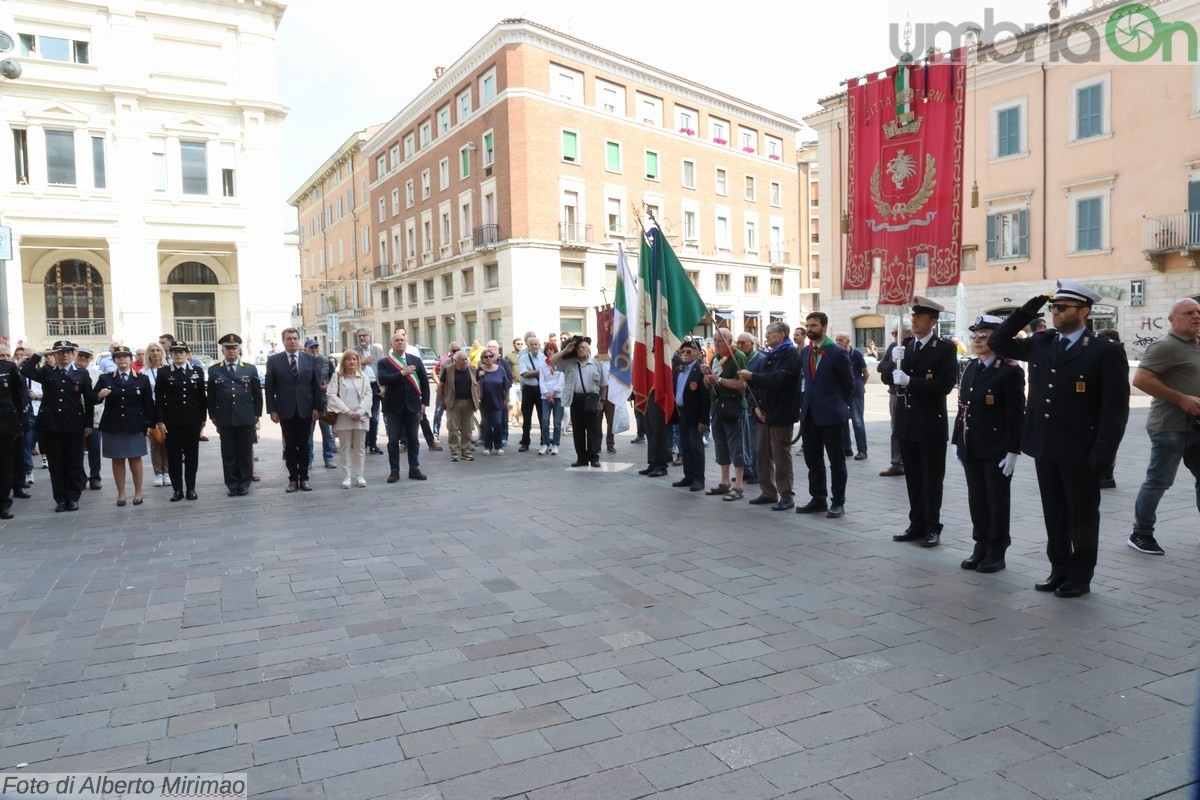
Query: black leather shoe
(1051, 583)
(243, 492)
(909, 535)
(176, 497)
(416, 475)
(596, 464)
(1068, 589)
(375, 451)
(579, 463)
(74, 506)
(763, 500)
(697, 486)
(931, 540)
(232, 492)
(976, 557)
(60, 507)
(192, 495)
(305, 486)
(657, 472)
(22, 493)
(836, 510)
(682, 483)
(991, 566)
(393, 476)
(645, 471)
(523, 448)
(5, 514)
(783, 505)
(812, 507)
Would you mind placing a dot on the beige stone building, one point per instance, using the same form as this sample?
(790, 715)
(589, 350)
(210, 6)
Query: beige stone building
(500, 195)
(336, 269)
(1088, 171)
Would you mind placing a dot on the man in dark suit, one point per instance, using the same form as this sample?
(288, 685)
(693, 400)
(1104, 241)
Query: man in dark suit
(987, 439)
(824, 411)
(181, 406)
(67, 412)
(235, 403)
(775, 386)
(923, 369)
(691, 415)
(12, 426)
(1078, 408)
(405, 388)
(294, 401)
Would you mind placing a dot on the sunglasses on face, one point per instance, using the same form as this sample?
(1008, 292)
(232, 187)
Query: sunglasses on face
(979, 337)
(1061, 307)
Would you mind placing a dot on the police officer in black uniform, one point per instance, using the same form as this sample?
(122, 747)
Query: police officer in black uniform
(66, 412)
(235, 403)
(987, 439)
(12, 431)
(181, 404)
(1078, 408)
(923, 369)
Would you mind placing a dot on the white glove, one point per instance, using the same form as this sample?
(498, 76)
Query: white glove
(897, 354)
(956, 455)
(900, 378)
(1008, 464)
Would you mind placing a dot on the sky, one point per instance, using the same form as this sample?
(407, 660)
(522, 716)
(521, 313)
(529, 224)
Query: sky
(352, 63)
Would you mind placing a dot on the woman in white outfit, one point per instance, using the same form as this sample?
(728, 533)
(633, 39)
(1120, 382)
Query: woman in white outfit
(349, 394)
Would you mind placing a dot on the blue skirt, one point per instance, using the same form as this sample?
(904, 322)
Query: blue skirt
(123, 445)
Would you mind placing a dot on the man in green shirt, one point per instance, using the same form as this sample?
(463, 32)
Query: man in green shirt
(728, 396)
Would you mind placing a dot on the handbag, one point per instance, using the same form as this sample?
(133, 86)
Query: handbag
(157, 436)
(591, 400)
(330, 417)
(728, 409)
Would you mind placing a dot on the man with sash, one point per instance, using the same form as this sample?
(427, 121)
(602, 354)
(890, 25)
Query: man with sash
(405, 388)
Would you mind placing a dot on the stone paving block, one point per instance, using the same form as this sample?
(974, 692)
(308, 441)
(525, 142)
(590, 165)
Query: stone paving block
(190, 743)
(622, 783)
(964, 691)
(751, 748)
(909, 777)
(652, 715)
(579, 732)
(722, 698)
(1158, 777)
(436, 716)
(301, 744)
(986, 752)
(834, 726)
(520, 747)
(519, 721)
(255, 730)
(112, 737)
(989, 786)
(1128, 707)
(907, 739)
(390, 781)
(1111, 754)
(447, 764)
(636, 747)
(524, 776)
(606, 702)
(811, 767)
(1051, 776)
(714, 727)
(676, 769)
(351, 759)
(551, 692)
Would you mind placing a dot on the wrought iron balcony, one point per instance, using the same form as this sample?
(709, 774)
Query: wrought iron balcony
(1173, 233)
(486, 236)
(575, 234)
(63, 327)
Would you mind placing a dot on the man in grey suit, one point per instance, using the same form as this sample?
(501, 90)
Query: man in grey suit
(294, 401)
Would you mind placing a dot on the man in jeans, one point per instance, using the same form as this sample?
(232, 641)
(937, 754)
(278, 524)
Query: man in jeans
(1170, 373)
(754, 358)
(369, 356)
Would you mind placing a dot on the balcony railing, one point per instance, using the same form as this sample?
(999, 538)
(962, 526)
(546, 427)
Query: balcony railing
(60, 328)
(572, 233)
(1172, 232)
(486, 236)
(778, 256)
(383, 271)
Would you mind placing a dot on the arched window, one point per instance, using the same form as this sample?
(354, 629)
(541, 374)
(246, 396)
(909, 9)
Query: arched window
(74, 299)
(192, 272)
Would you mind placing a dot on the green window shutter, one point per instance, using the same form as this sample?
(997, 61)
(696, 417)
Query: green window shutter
(465, 166)
(612, 157)
(651, 165)
(570, 146)
(991, 237)
(1023, 234)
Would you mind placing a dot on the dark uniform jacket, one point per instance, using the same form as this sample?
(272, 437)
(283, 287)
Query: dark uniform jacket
(696, 400)
(921, 417)
(1078, 401)
(234, 400)
(12, 400)
(400, 394)
(991, 410)
(180, 397)
(67, 404)
(130, 406)
(776, 386)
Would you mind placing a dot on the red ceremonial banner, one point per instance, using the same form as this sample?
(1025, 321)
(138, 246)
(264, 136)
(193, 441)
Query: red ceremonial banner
(904, 183)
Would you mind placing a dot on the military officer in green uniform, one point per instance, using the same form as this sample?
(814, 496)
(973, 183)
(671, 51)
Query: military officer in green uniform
(235, 402)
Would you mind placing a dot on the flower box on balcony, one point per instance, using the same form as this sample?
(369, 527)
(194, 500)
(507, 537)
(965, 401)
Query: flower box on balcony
(747, 149)
(687, 131)
(719, 140)
(773, 157)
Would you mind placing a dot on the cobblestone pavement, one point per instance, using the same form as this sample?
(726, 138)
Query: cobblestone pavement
(514, 628)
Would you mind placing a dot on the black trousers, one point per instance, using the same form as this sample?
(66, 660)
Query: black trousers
(658, 436)
(183, 452)
(373, 429)
(1071, 507)
(64, 454)
(11, 444)
(820, 441)
(585, 430)
(297, 439)
(924, 473)
(531, 398)
(237, 456)
(691, 451)
(989, 498)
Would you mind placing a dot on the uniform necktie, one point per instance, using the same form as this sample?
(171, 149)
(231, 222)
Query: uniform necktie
(292, 357)
(917, 346)
(1063, 344)
(124, 378)
(231, 369)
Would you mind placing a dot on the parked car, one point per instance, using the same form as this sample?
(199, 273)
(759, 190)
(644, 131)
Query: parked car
(427, 354)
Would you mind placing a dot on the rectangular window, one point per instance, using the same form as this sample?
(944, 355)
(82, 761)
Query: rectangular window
(722, 233)
(1008, 131)
(445, 228)
(410, 147)
(649, 109)
(428, 292)
(366, 239)
(571, 274)
(380, 167)
(718, 130)
(489, 151)
(60, 158)
(382, 210)
(21, 155)
(444, 174)
(776, 194)
(487, 88)
(464, 163)
(566, 84)
(1089, 231)
(1008, 235)
(723, 282)
(751, 284)
(777, 287)
(426, 132)
(686, 120)
(395, 202)
(194, 161)
(53, 48)
(651, 165)
(394, 157)
(722, 182)
(570, 147)
(99, 175)
(610, 98)
(468, 280)
(491, 276)
(448, 286)
(613, 214)
(690, 231)
(425, 186)
(612, 156)
(464, 219)
(409, 195)
(751, 239)
(751, 192)
(689, 174)
(443, 122)
(464, 105)
(749, 140)
(1089, 111)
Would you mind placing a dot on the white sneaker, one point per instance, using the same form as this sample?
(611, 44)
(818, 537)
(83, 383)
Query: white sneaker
(487, 452)
(29, 478)
(554, 450)
(362, 482)
(543, 450)
(500, 451)
(158, 481)
(346, 483)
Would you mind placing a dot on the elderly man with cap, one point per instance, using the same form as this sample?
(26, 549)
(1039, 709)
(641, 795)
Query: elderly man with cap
(235, 404)
(324, 367)
(923, 370)
(181, 405)
(692, 412)
(64, 419)
(987, 439)
(1076, 416)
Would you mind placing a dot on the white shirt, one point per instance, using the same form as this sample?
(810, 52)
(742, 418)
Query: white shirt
(550, 379)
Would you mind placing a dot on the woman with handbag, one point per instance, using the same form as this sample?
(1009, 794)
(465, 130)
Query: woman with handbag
(585, 387)
(728, 405)
(128, 418)
(494, 383)
(348, 409)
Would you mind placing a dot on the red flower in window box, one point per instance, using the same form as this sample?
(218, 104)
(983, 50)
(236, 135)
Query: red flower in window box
(773, 157)
(687, 131)
(719, 140)
(747, 149)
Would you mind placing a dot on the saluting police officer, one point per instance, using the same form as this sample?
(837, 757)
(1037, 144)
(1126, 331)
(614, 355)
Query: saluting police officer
(235, 403)
(12, 428)
(987, 438)
(66, 413)
(182, 407)
(923, 369)
(1078, 407)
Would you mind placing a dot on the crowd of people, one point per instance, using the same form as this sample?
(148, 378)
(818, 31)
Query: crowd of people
(1067, 409)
